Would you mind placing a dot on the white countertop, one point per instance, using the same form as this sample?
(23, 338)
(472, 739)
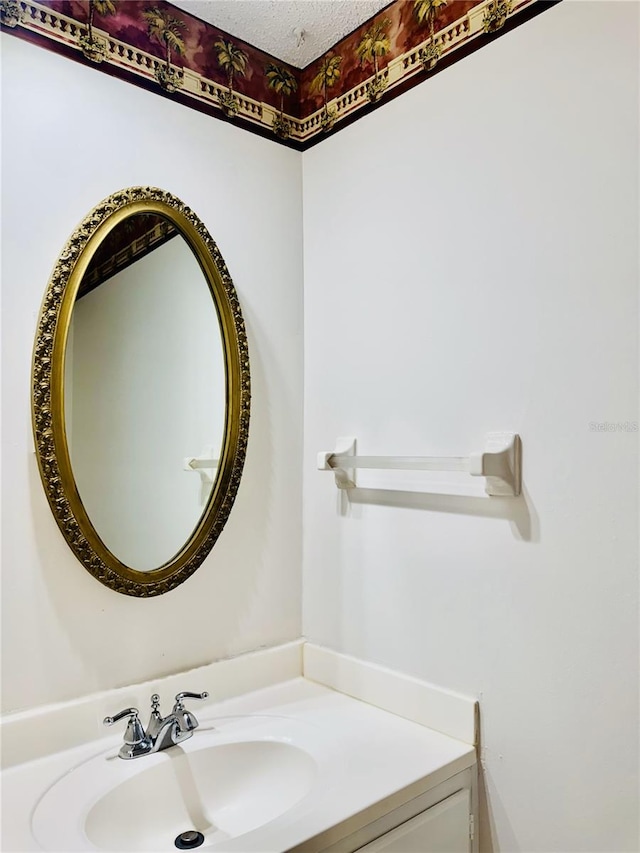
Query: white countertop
(368, 761)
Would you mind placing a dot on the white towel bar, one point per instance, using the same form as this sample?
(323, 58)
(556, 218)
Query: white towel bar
(206, 460)
(193, 463)
(500, 462)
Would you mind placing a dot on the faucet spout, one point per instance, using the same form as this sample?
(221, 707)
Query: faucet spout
(169, 734)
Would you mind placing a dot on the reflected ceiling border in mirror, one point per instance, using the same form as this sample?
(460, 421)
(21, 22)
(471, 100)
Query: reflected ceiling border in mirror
(48, 393)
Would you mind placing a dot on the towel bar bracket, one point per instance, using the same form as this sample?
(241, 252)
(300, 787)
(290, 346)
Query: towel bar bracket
(345, 476)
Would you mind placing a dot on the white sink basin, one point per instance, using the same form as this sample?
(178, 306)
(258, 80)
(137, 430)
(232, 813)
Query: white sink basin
(220, 787)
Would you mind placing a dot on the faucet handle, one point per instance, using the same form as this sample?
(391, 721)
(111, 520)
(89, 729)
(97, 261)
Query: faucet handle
(128, 712)
(188, 721)
(134, 733)
(136, 741)
(187, 695)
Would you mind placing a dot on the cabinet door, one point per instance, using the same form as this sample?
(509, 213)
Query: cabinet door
(444, 828)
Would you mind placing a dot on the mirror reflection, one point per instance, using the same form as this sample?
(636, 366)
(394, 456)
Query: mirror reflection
(145, 391)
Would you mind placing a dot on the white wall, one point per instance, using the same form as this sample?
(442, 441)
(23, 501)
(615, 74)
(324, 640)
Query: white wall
(471, 256)
(70, 137)
(147, 389)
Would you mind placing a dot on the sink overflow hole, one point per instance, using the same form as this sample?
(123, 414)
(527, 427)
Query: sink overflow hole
(189, 840)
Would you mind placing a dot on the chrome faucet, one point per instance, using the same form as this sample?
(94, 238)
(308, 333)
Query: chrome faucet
(162, 732)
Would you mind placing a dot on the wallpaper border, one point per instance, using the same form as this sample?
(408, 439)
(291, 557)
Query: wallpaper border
(237, 83)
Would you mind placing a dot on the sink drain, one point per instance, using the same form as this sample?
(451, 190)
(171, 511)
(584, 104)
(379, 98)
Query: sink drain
(188, 840)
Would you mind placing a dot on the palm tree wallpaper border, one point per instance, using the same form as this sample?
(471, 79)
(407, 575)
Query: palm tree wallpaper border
(168, 51)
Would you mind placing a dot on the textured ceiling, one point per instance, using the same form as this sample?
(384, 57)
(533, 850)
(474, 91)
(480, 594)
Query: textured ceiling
(296, 31)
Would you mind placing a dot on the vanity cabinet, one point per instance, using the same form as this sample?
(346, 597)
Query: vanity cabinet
(439, 820)
(444, 828)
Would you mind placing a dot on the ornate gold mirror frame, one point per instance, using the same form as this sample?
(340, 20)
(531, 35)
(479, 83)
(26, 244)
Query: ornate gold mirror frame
(48, 374)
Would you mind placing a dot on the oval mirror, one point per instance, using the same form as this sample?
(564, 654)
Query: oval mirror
(141, 392)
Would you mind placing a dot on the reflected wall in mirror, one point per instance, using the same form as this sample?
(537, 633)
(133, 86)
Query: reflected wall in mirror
(141, 392)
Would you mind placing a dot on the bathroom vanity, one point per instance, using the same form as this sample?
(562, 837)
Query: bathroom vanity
(294, 766)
